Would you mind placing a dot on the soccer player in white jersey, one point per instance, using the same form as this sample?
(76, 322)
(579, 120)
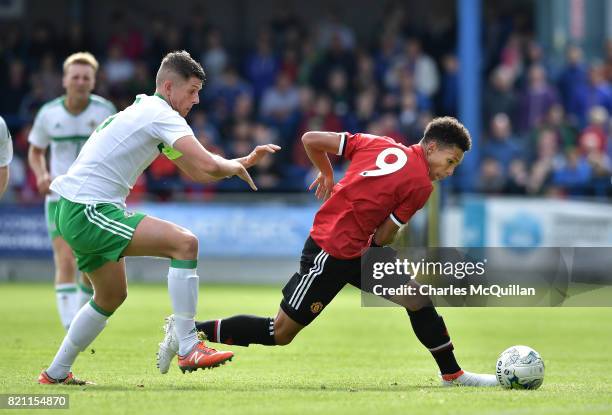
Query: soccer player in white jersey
(91, 213)
(6, 155)
(63, 125)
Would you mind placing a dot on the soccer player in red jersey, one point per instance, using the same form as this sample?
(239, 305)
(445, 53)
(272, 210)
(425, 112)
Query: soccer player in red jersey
(385, 184)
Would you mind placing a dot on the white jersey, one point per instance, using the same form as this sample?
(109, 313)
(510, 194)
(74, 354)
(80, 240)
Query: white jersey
(6, 145)
(119, 150)
(66, 132)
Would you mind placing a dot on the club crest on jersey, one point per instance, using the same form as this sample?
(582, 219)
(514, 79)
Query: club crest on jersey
(92, 124)
(128, 214)
(316, 308)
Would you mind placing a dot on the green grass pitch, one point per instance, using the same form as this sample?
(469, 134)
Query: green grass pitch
(351, 360)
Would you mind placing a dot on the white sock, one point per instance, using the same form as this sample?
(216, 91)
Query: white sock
(84, 295)
(183, 289)
(85, 327)
(66, 297)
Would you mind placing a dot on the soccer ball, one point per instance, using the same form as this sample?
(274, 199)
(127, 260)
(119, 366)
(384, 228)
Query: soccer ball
(520, 367)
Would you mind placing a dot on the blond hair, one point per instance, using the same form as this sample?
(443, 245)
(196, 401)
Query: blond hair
(84, 58)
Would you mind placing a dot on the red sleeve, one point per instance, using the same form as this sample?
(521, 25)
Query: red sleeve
(350, 143)
(415, 200)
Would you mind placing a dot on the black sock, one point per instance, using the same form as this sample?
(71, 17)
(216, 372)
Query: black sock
(239, 330)
(430, 330)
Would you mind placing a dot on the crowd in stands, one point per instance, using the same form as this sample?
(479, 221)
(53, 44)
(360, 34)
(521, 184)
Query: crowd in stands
(546, 127)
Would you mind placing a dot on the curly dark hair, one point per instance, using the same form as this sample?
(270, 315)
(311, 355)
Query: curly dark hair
(181, 63)
(448, 131)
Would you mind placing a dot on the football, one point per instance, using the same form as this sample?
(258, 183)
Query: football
(520, 367)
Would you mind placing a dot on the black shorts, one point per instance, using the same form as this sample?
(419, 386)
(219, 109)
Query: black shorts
(321, 277)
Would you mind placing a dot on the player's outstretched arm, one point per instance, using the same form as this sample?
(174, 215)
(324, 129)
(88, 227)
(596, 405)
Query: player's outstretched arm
(317, 144)
(38, 164)
(204, 167)
(385, 233)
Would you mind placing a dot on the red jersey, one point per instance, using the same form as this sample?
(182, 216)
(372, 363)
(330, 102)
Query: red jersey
(385, 179)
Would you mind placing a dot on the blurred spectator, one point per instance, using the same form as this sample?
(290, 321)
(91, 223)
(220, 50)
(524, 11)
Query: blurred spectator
(601, 167)
(535, 56)
(118, 68)
(125, 36)
(499, 97)
(420, 65)
(163, 179)
(405, 86)
(423, 68)
(388, 125)
(243, 111)
(409, 118)
(536, 99)
(556, 121)
(290, 63)
(518, 176)
(33, 100)
(546, 161)
(214, 58)
(501, 145)
(13, 91)
(310, 58)
(196, 31)
(157, 41)
(366, 74)
(339, 91)
(449, 97)
(262, 65)
(594, 136)
(337, 56)
(574, 175)
(286, 26)
(141, 82)
(599, 91)
(203, 128)
(224, 94)
(511, 56)
(279, 102)
(173, 39)
(42, 41)
(321, 118)
(49, 77)
(573, 81)
(491, 179)
(331, 30)
(267, 174)
(386, 54)
(608, 61)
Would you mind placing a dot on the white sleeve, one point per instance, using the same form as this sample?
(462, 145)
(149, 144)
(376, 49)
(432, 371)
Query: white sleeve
(6, 145)
(38, 136)
(169, 127)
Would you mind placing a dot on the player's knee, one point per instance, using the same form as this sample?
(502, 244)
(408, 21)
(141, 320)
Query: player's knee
(110, 301)
(283, 333)
(188, 246)
(118, 298)
(283, 338)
